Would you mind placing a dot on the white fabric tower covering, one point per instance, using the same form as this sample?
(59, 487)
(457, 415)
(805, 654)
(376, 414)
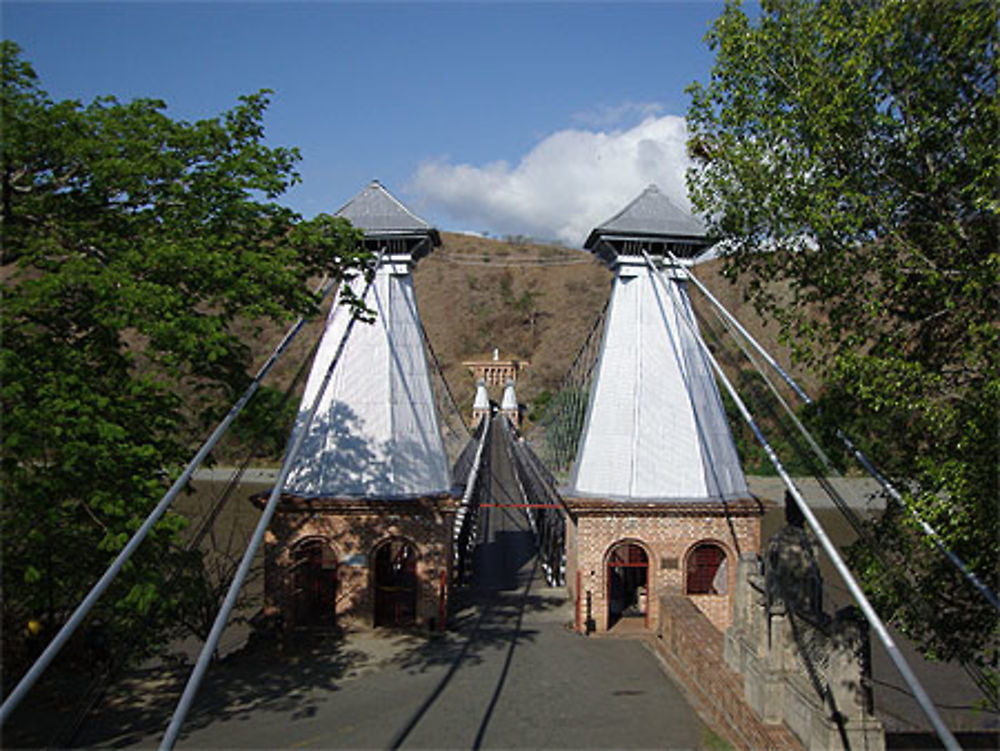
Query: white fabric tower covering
(482, 400)
(509, 401)
(376, 431)
(655, 427)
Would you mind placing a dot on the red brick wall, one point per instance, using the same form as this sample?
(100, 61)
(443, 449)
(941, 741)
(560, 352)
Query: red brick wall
(356, 536)
(694, 653)
(667, 540)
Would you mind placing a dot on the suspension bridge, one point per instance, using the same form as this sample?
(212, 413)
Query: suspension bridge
(623, 512)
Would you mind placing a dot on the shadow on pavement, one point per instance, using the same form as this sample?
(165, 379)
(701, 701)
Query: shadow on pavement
(295, 678)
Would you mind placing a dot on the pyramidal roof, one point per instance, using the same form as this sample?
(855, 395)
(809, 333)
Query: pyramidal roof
(377, 212)
(651, 214)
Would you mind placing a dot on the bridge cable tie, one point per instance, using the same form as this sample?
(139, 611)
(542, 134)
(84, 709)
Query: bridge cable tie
(852, 585)
(862, 459)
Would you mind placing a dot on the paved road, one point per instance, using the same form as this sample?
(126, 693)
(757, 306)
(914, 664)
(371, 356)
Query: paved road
(509, 675)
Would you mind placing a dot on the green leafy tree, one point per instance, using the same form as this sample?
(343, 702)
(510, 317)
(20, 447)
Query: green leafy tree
(847, 151)
(132, 243)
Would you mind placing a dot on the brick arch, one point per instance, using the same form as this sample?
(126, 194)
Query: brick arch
(628, 541)
(394, 581)
(700, 576)
(313, 565)
(313, 537)
(623, 576)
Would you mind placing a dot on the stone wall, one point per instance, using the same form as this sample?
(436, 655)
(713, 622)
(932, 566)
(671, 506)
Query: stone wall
(693, 650)
(801, 666)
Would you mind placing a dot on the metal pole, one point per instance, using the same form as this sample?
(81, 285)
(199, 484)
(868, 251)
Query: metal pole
(68, 628)
(863, 460)
(845, 573)
(208, 649)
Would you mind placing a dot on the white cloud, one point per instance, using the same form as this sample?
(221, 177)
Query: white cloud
(570, 182)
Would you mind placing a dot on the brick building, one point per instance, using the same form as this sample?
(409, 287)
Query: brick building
(363, 529)
(658, 504)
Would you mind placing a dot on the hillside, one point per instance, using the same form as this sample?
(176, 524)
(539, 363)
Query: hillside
(535, 302)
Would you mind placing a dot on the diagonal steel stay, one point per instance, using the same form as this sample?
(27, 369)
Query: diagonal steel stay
(845, 573)
(862, 459)
(211, 643)
(59, 640)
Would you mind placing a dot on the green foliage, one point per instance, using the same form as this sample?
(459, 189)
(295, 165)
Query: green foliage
(539, 406)
(263, 427)
(781, 434)
(131, 244)
(848, 151)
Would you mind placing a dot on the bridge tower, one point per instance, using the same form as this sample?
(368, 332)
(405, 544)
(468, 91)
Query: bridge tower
(658, 501)
(363, 530)
(509, 405)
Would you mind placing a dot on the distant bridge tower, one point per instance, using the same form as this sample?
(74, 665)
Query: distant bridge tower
(508, 404)
(481, 404)
(659, 502)
(363, 529)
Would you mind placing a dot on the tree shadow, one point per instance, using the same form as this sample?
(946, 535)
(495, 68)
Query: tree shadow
(294, 678)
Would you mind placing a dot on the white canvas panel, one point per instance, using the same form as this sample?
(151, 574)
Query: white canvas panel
(604, 456)
(375, 433)
(723, 475)
(668, 453)
(418, 457)
(655, 428)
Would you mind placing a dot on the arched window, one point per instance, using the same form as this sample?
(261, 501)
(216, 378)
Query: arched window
(314, 582)
(707, 572)
(395, 583)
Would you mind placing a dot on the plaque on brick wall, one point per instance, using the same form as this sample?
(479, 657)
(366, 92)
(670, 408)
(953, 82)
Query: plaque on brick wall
(358, 559)
(668, 563)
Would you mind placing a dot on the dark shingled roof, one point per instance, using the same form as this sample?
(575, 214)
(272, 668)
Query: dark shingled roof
(651, 215)
(379, 213)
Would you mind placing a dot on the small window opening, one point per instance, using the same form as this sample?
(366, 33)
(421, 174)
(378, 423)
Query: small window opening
(707, 571)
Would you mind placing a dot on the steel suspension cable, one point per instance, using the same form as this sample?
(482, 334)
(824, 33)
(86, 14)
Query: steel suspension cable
(903, 570)
(859, 455)
(99, 687)
(68, 628)
(440, 372)
(828, 467)
(838, 563)
(208, 649)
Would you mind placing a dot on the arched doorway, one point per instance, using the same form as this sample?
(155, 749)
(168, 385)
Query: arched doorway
(628, 583)
(395, 583)
(314, 583)
(707, 570)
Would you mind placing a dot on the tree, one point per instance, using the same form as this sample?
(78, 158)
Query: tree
(847, 151)
(132, 243)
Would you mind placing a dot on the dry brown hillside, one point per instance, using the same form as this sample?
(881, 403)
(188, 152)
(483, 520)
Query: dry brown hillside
(536, 302)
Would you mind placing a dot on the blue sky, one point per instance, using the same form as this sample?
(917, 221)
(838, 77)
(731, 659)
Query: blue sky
(536, 118)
